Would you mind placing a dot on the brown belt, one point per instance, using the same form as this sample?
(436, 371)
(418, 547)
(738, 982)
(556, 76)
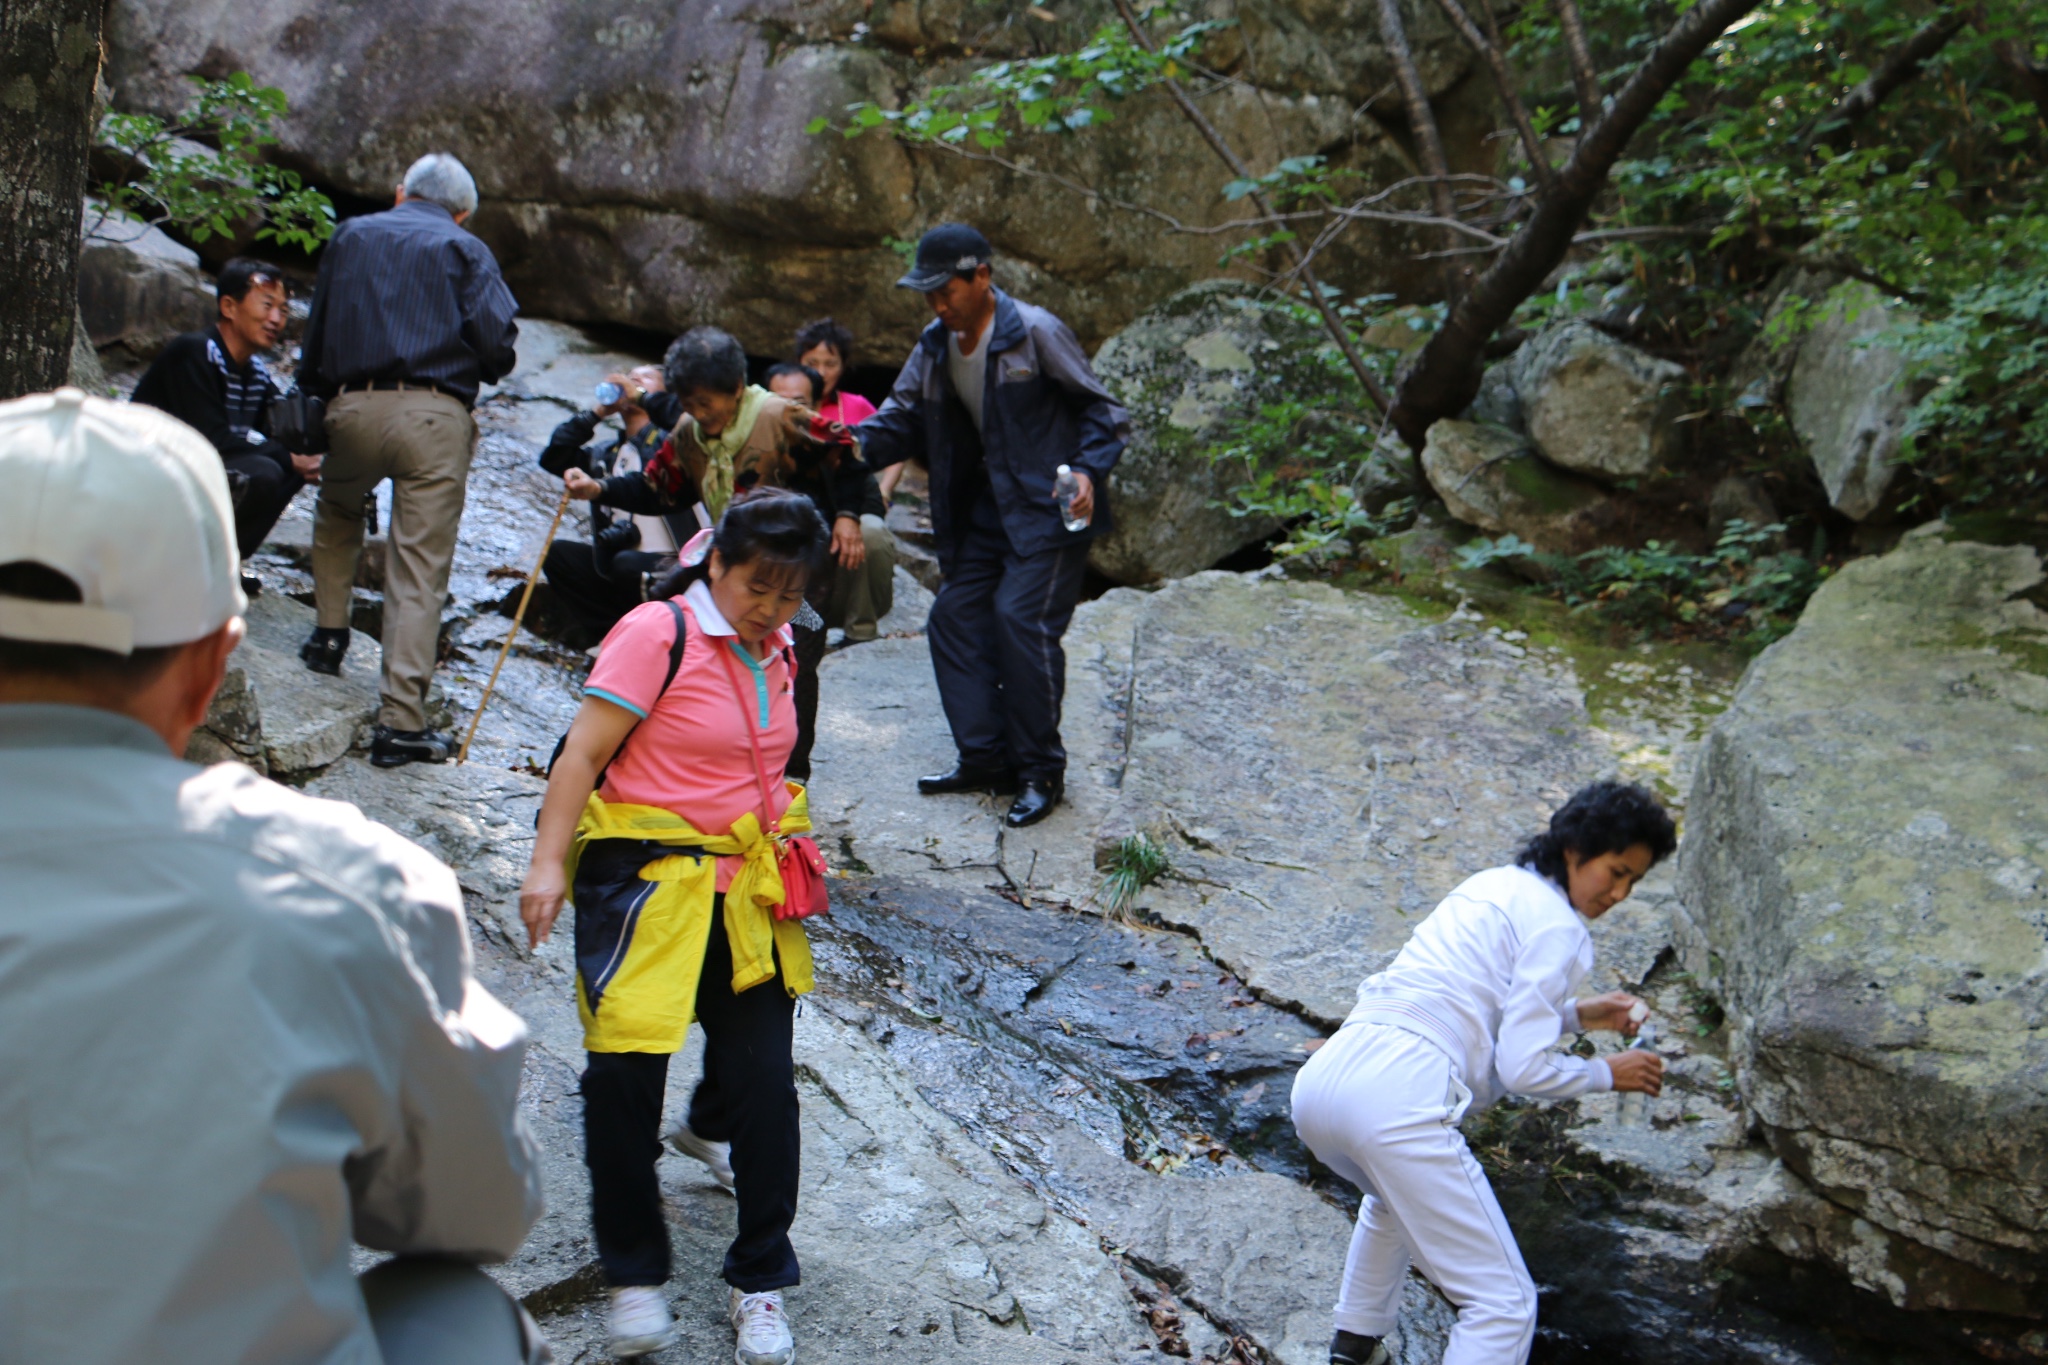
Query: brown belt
(404, 386)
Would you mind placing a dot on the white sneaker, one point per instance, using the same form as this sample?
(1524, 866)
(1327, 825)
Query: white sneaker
(640, 1324)
(763, 1329)
(715, 1155)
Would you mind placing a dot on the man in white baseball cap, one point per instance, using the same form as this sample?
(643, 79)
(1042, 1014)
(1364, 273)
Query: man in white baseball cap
(239, 1032)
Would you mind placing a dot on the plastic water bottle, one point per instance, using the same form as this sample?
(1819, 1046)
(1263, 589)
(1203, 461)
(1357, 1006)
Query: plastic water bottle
(1633, 1109)
(1064, 490)
(609, 393)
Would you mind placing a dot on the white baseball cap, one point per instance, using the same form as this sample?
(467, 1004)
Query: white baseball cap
(129, 503)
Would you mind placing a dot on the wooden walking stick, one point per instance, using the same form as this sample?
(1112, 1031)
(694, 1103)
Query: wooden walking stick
(513, 634)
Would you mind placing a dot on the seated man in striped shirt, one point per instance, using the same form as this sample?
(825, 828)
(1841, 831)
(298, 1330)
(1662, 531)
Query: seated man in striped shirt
(216, 382)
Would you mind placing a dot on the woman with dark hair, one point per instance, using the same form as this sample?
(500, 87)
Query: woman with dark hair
(1468, 1011)
(657, 823)
(826, 346)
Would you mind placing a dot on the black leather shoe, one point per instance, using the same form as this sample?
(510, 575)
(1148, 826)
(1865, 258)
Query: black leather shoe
(391, 748)
(1033, 803)
(323, 650)
(965, 777)
(252, 586)
(1349, 1348)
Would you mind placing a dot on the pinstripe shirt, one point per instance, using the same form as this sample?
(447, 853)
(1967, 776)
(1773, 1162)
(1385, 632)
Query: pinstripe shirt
(407, 294)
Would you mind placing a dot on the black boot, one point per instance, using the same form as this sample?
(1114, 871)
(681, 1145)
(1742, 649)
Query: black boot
(966, 777)
(1349, 1348)
(391, 748)
(323, 650)
(1035, 802)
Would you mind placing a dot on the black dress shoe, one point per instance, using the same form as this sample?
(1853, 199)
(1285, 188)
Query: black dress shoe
(1349, 1348)
(391, 748)
(252, 586)
(966, 777)
(1033, 803)
(323, 650)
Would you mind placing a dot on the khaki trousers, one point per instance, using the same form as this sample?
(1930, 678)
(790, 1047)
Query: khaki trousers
(858, 598)
(422, 441)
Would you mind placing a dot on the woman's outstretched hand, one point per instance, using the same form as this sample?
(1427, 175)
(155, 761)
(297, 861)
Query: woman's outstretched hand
(1614, 1012)
(540, 902)
(1637, 1069)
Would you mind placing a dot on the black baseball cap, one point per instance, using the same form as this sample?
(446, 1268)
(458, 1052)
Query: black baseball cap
(947, 250)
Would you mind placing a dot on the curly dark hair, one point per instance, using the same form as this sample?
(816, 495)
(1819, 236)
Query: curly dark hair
(825, 332)
(706, 359)
(1602, 817)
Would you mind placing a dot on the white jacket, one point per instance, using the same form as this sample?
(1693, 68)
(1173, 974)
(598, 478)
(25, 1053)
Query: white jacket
(238, 1034)
(1492, 977)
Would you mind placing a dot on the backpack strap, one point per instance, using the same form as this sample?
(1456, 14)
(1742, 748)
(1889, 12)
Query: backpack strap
(675, 664)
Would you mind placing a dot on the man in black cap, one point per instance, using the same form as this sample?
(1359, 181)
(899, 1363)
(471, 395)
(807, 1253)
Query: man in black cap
(996, 397)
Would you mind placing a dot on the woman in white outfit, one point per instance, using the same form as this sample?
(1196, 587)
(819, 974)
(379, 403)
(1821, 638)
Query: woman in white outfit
(1471, 1010)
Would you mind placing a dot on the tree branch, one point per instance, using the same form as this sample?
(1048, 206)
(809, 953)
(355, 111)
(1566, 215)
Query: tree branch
(1429, 145)
(1504, 82)
(1334, 325)
(1585, 78)
(1902, 65)
(1445, 377)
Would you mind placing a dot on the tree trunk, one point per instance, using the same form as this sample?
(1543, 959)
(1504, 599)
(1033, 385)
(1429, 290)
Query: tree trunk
(46, 90)
(1445, 377)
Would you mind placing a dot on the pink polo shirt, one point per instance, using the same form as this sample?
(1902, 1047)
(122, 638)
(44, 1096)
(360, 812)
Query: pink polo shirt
(690, 752)
(849, 408)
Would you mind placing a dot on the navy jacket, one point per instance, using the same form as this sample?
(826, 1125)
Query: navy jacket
(1042, 407)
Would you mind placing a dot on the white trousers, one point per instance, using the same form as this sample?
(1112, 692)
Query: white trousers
(1380, 1107)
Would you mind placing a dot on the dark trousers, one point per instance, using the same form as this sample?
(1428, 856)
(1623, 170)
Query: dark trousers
(747, 1098)
(810, 652)
(995, 641)
(594, 601)
(270, 489)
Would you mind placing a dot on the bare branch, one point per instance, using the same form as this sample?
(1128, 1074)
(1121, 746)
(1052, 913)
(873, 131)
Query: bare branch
(1334, 325)
(1429, 146)
(1504, 82)
(1901, 65)
(1585, 79)
(1445, 376)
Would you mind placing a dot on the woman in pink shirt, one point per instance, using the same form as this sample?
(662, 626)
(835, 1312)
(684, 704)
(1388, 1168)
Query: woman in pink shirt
(656, 826)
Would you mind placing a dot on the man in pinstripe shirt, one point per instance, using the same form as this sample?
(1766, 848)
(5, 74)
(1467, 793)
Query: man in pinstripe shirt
(410, 317)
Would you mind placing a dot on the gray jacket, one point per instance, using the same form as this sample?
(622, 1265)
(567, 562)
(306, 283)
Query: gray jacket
(238, 1034)
(1042, 407)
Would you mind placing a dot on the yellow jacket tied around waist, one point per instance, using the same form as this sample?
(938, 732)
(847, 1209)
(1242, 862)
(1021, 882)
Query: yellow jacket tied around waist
(637, 965)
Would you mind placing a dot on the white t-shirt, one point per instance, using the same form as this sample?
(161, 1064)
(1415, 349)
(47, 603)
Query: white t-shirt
(655, 537)
(970, 372)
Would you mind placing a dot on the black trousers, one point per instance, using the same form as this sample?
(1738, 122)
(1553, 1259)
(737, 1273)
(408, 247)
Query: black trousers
(747, 1098)
(594, 602)
(995, 640)
(810, 652)
(270, 490)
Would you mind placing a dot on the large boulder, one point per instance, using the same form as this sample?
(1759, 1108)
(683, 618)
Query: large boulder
(1595, 405)
(649, 163)
(1492, 478)
(1192, 372)
(136, 287)
(1849, 396)
(1863, 877)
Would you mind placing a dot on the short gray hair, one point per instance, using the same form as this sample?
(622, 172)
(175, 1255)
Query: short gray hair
(440, 179)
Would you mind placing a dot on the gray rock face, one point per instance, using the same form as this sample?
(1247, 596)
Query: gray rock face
(649, 164)
(1492, 478)
(1595, 405)
(276, 715)
(1864, 878)
(1192, 372)
(136, 287)
(1849, 399)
